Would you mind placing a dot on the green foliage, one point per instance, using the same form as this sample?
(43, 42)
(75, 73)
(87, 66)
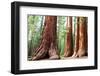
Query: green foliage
(34, 32)
(35, 28)
(61, 33)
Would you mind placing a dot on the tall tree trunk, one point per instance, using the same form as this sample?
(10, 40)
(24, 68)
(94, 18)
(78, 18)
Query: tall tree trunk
(86, 36)
(82, 36)
(48, 45)
(76, 41)
(68, 44)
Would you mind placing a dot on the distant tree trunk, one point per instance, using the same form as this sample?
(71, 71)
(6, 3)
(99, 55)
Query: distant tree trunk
(76, 41)
(48, 45)
(68, 44)
(82, 36)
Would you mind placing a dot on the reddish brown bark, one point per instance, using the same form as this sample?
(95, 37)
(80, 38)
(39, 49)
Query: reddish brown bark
(68, 44)
(76, 44)
(86, 36)
(48, 45)
(82, 37)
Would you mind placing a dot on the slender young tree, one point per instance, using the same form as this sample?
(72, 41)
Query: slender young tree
(68, 44)
(48, 45)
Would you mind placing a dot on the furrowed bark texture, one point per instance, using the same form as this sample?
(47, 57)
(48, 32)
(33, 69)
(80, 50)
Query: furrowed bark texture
(48, 45)
(76, 42)
(68, 44)
(82, 36)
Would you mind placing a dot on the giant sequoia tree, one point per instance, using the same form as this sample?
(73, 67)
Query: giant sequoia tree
(48, 45)
(76, 38)
(68, 44)
(82, 36)
(57, 37)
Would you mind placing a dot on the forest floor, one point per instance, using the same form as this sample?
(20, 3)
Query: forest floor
(62, 58)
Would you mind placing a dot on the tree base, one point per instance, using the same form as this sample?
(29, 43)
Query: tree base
(68, 54)
(80, 53)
